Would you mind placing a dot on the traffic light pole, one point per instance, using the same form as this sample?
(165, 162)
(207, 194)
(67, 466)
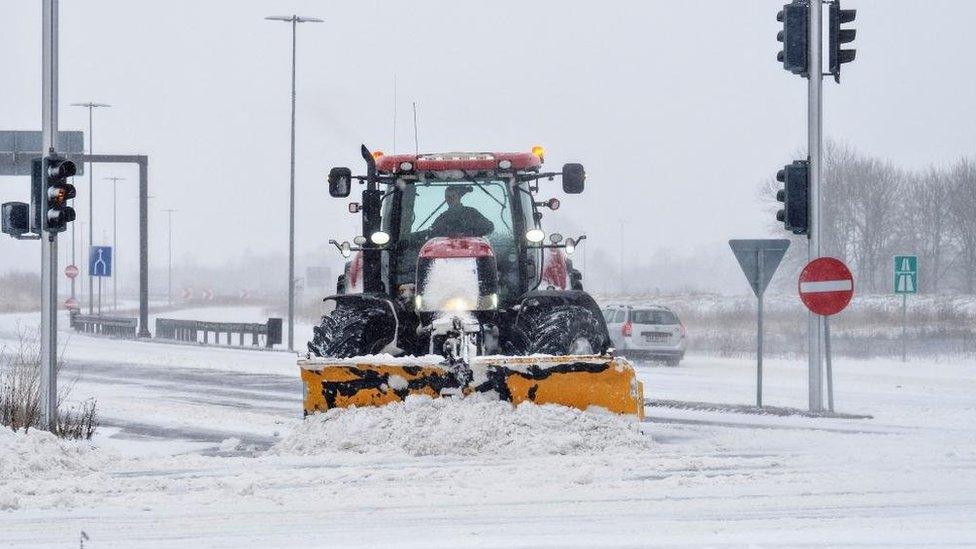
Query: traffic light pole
(814, 135)
(49, 240)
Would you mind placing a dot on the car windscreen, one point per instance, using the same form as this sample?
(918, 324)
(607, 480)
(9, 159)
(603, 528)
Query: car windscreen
(653, 317)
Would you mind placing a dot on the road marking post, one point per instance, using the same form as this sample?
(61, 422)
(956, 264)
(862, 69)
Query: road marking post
(759, 260)
(826, 287)
(906, 282)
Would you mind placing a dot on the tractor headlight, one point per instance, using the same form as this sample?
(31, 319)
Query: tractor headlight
(535, 236)
(570, 246)
(380, 238)
(494, 301)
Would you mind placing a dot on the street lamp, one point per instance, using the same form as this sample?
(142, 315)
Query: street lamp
(115, 235)
(294, 20)
(169, 276)
(91, 106)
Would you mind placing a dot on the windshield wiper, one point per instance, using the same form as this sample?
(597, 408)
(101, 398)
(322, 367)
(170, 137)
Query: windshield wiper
(491, 196)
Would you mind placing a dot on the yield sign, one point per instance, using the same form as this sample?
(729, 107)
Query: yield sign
(759, 259)
(826, 286)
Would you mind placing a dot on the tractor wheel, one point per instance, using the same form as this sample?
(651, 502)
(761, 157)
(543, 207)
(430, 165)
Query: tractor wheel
(563, 330)
(351, 331)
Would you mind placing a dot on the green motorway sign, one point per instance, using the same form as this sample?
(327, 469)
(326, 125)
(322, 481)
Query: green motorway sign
(906, 274)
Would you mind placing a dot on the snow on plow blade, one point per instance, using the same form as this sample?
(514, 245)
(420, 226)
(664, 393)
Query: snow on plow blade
(576, 381)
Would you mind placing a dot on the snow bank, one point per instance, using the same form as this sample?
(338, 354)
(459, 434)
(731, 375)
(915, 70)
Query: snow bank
(40, 462)
(473, 426)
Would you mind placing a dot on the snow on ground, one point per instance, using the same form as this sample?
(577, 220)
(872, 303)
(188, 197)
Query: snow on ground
(205, 447)
(475, 426)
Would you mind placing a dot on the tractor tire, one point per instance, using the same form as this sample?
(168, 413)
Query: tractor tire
(562, 330)
(351, 331)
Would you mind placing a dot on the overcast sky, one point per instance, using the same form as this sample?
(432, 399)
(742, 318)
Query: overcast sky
(677, 109)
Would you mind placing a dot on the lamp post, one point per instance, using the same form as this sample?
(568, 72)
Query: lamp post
(169, 276)
(115, 237)
(91, 106)
(294, 20)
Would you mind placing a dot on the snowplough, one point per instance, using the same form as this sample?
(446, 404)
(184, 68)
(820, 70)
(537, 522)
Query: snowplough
(453, 288)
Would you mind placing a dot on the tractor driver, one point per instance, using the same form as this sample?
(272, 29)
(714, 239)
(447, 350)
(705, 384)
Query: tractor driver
(458, 219)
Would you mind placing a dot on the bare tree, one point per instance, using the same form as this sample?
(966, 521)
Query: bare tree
(926, 229)
(962, 211)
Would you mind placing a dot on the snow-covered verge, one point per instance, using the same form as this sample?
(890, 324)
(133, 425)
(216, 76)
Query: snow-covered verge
(474, 426)
(35, 466)
(206, 447)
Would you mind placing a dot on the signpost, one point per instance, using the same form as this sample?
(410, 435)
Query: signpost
(826, 286)
(759, 259)
(906, 282)
(100, 266)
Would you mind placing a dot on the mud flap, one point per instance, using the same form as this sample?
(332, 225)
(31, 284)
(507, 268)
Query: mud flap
(581, 382)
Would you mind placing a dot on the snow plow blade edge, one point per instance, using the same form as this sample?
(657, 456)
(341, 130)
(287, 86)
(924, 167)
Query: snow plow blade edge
(576, 381)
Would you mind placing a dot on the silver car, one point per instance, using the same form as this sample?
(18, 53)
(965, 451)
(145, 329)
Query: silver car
(652, 332)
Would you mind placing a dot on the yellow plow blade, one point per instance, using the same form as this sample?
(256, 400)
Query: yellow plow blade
(580, 382)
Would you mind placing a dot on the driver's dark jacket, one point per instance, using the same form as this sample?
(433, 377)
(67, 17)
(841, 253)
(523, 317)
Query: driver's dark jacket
(461, 220)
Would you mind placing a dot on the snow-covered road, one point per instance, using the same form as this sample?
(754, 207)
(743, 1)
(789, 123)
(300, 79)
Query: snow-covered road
(190, 454)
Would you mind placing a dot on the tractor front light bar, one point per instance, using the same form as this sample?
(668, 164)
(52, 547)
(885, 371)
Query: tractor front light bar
(569, 245)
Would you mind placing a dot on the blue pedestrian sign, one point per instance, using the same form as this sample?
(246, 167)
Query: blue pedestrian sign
(100, 261)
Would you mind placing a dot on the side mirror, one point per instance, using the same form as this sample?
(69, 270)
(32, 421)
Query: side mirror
(574, 176)
(340, 182)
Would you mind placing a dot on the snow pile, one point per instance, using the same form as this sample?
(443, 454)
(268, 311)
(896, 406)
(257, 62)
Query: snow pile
(39, 462)
(474, 426)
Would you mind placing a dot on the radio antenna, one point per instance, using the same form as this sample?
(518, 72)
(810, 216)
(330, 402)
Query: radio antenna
(394, 111)
(416, 139)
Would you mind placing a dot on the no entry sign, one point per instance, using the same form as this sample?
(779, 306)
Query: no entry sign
(826, 286)
(71, 271)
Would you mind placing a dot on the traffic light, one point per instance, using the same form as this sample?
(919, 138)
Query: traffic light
(51, 193)
(794, 36)
(838, 37)
(15, 219)
(795, 196)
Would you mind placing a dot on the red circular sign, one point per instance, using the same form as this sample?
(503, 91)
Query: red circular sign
(71, 304)
(826, 286)
(71, 271)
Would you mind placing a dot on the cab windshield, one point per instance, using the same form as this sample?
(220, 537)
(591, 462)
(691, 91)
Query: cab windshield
(480, 208)
(427, 207)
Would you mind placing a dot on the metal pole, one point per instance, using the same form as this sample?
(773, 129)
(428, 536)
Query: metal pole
(904, 327)
(759, 331)
(814, 130)
(49, 242)
(115, 249)
(830, 370)
(73, 201)
(91, 200)
(144, 248)
(169, 276)
(291, 199)
(115, 237)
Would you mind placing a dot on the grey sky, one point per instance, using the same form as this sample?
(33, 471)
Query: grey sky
(677, 109)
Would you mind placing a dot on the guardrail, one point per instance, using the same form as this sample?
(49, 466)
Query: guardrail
(198, 331)
(114, 326)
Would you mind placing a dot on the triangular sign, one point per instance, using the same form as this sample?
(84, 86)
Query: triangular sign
(748, 253)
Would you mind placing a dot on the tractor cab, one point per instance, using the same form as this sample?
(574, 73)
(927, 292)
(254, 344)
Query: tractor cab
(459, 195)
(458, 235)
